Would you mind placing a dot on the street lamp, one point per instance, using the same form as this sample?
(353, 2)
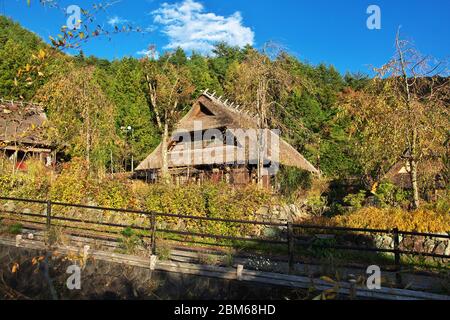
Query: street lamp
(131, 130)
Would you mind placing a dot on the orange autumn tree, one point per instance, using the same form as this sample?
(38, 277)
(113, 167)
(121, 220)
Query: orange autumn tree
(402, 114)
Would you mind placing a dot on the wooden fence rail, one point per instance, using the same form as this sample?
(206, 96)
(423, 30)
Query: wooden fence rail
(290, 239)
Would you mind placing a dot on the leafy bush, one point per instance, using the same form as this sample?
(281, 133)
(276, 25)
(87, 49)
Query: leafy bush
(113, 193)
(33, 183)
(6, 185)
(130, 241)
(15, 228)
(317, 204)
(73, 184)
(208, 200)
(291, 180)
(442, 204)
(389, 195)
(319, 247)
(356, 200)
(421, 220)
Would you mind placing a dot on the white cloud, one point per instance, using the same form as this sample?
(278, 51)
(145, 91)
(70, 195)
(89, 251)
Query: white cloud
(148, 53)
(188, 26)
(114, 21)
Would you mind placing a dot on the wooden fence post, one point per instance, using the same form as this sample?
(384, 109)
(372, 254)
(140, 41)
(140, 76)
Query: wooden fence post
(291, 255)
(398, 266)
(49, 214)
(153, 233)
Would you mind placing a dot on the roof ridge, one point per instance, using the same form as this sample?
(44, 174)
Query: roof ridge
(232, 107)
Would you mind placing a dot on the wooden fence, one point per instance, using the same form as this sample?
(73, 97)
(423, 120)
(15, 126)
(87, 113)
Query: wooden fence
(290, 237)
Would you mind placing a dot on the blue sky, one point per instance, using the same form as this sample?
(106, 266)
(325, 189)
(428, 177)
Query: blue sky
(333, 32)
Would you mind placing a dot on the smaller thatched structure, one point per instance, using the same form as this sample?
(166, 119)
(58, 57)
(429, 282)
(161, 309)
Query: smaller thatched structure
(22, 134)
(430, 174)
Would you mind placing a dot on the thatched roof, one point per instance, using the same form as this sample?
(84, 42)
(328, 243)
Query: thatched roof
(399, 173)
(213, 113)
(22, 123)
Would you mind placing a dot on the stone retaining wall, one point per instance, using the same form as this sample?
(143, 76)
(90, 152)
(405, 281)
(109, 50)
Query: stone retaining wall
(432, 245)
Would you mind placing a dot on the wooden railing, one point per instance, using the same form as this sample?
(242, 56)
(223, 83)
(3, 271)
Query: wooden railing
(291, 235)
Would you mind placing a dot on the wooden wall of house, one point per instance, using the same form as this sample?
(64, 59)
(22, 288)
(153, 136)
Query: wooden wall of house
(233, 176)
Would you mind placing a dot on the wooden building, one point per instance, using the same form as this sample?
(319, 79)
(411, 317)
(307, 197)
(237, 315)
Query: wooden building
(430, 174)
(216, 141)
(22, 133)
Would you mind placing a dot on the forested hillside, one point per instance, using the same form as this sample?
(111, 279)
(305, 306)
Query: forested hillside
(310, 118)
(343, 124)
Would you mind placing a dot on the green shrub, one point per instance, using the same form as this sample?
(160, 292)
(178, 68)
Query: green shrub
(442, 204)
(209, 200)
(389, 195)
(73, 184)
(319, 248)
(317, 204)
(356, 200)
(163, 252)
(113, 193)
(15, 228)
(32, 183)
(291, 180)
(131, 241)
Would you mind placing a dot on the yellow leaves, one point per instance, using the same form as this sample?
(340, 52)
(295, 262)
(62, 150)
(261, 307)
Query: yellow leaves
(37, 260)
(374, 188)
(81, 35)
(329, 294)
(328, 279)
(421, 220)
(42, 54)
(15, 267)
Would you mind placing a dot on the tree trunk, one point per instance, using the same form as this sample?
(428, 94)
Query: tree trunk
(260, 168)
(413, 171)
(165, 154)
(414, 183)
(261, 106)
(413, 143)
(88, 140)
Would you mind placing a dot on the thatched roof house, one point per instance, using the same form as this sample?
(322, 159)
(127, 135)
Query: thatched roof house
(430, 173)
(218, 141)
(21, 130)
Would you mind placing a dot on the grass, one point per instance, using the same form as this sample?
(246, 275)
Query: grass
(163, 252)
(15, 228)
(208, 259)
(130, 241)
